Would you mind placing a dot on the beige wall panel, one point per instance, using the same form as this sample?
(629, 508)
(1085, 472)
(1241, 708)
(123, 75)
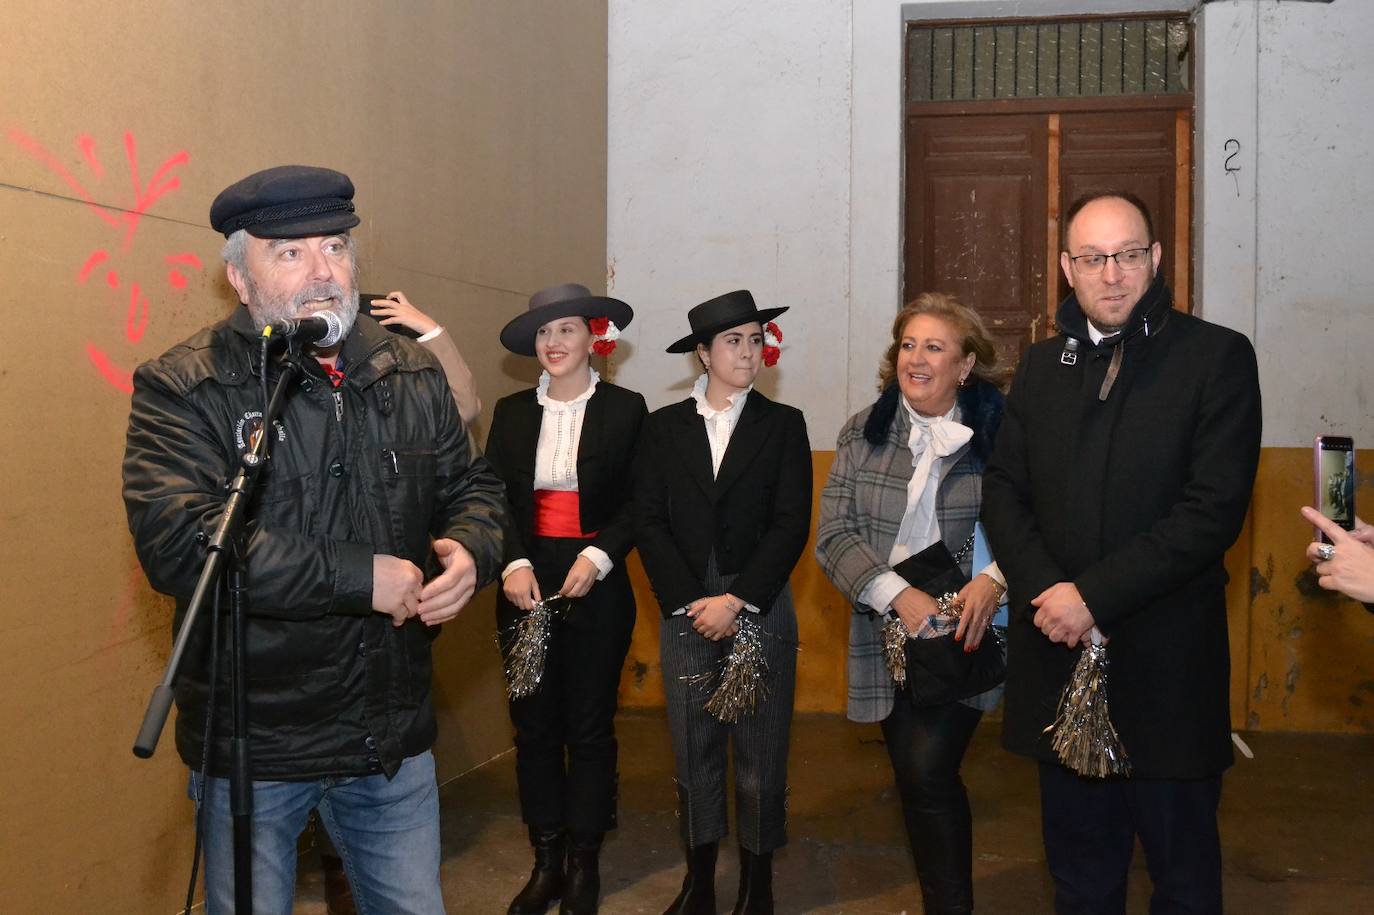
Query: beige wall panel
(476, 135)
(469, 691)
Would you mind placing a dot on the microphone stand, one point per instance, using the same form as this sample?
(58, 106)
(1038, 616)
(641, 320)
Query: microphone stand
(227, 544)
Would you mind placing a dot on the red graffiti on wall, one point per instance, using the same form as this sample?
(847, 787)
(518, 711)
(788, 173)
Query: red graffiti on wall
(124, 222)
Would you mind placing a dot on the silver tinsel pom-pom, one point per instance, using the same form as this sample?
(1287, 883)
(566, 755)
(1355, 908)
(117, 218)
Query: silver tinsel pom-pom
(529, 648)
(895, 634)
(742, 678)
(1082, 733)
(894, 649)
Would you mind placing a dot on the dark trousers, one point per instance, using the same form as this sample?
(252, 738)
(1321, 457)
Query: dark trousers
(926, 745)
(760, 739)
(1090, 826)
(565, 746)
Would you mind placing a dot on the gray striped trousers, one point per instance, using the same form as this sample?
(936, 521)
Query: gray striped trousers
(760, 739)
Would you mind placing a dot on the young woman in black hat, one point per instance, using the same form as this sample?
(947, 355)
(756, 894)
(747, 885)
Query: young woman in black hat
(722, 511)
(565, 450)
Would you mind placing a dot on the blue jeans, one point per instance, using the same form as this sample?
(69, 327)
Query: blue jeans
(386, 832)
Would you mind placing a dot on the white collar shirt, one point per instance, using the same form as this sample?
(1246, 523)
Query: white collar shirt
(720, 424)
(560, 433)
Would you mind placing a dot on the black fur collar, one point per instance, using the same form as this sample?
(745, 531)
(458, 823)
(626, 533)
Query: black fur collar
(980, 408)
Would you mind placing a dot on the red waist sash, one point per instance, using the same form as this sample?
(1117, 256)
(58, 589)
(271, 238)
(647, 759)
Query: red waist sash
(558, 513)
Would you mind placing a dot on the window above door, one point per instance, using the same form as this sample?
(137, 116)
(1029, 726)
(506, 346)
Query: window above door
(1064, 58)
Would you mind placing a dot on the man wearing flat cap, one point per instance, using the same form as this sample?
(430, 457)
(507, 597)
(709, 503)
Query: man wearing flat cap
(373, 522)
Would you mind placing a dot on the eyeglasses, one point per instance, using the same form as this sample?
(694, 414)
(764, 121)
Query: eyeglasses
(1130, 259)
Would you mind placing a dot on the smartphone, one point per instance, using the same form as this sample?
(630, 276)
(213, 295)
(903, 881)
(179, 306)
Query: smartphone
(1333, 458)
(365, 303)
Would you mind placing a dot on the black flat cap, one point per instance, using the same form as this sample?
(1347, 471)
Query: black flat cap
(722, 313)
(289, 201)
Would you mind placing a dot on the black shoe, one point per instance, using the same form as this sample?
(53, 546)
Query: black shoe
(582, 886)
(755, 883)
(546, 879)
(698, 896)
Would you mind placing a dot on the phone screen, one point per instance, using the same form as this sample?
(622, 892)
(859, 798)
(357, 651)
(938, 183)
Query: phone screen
(1335, 466)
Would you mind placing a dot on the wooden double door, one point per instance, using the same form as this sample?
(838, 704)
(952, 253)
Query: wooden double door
(985, 193)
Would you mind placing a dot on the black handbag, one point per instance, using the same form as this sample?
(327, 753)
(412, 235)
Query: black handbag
(938, 670)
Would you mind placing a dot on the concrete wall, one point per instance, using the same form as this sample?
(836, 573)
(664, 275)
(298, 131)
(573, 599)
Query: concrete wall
(1314, 152)
(1281, 157)
(760, 144)
(475, 133)
(727, 167)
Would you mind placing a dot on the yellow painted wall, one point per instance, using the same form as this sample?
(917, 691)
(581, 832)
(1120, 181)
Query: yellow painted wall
(1301, 659)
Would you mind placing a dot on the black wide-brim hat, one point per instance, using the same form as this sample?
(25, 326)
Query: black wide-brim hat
(722, 313)
(289, 201)
(564, 301)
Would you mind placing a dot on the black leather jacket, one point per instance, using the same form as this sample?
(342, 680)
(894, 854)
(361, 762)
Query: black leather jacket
(334, 688)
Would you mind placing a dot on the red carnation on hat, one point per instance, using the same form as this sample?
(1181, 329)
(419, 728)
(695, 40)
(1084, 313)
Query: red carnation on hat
(772, 336)
(604, 333)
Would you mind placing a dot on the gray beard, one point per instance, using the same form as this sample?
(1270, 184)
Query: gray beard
(265, 311)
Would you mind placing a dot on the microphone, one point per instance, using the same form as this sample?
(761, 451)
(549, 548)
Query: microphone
(323, 329)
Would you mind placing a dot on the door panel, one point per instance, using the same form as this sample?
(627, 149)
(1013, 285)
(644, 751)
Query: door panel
(975, 220)
(1128, 150)
(979, 217)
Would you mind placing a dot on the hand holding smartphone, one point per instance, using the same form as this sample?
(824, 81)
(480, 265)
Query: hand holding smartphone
(1333, 473)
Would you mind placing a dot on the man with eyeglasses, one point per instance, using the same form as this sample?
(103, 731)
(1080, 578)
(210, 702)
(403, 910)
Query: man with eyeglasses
(1121, 474)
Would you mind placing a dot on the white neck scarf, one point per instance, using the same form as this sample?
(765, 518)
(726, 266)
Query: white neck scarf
(931, 438)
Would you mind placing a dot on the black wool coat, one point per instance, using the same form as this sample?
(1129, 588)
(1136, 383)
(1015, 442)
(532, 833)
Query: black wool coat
(605, 462)
(755, 515)
(1135, 499)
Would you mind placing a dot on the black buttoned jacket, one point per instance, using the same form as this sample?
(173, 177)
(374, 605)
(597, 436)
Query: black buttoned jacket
(605, 461)
(755, 515)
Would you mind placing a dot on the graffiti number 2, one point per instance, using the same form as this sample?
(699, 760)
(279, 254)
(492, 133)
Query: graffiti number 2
(1233, 147)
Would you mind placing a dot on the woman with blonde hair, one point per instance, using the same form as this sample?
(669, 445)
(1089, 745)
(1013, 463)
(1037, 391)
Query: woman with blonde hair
(907, 475)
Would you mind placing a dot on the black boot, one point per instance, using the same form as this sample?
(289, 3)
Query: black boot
(755, 883)
(546, 879)
(698, 896)
(582, 888)
(942, 844)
